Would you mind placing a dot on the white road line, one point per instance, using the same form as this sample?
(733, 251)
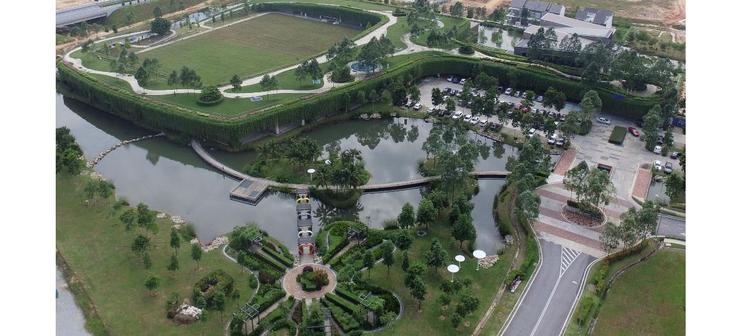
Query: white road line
(563, 267)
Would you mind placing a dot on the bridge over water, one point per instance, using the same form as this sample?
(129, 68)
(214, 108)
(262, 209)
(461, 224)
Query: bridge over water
(251, 188)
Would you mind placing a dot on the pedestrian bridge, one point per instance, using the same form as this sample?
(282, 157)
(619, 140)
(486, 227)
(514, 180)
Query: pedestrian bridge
(252, 188)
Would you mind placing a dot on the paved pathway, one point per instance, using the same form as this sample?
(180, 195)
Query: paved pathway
(293, 288)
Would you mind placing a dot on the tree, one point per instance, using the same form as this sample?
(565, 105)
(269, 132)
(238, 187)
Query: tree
(463, 230)
(388, 258)
(675, 186)
(157, 12)
(403, 240)
(174, 240)
(414, 93)
(174, 264)
(219, 302)
(418, 291)
(269, 83)
(141, 244)
(160, 26)
(406, 218)
(426, 213)
(527, 205)
(610, 238)
(599, 188)
(172, 79)
(236, 82)
(467, 304)
(437, 96)
(450, 105)
(196, 253)
(456, 319)
(152, 283)
(404, 260)
(147, 260)
(128, 218)
(436, 256)
(651, 123)
(575, 179)
(369, 261)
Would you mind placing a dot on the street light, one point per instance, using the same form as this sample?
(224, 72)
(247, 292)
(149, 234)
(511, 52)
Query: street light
(453, 269)
(311, 171)
(460, 259)
(479, 254)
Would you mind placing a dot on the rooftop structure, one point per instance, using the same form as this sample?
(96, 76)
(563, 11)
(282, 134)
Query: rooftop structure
(534, 11)
(602, 17)
(565, 27)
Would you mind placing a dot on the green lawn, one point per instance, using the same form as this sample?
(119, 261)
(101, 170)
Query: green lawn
(131, 14)
(60, 39)
(287, 81)
(485, 284)
(648, 299)
(249, 48)
(118, 83)
(96, 246)
(449, 23)
(230, 106)
(396, 31)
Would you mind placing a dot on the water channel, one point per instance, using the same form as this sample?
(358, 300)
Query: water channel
(170, 177)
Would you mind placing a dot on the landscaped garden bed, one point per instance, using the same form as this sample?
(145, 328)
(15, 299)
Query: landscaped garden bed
(312, 279)
(618, 135)
(583, 214)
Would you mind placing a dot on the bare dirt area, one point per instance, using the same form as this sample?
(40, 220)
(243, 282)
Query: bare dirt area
(490, 5)
(65, 4)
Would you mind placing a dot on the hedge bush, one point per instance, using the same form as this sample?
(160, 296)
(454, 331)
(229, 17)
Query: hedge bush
(279, 256)
(618, 135)
(212, 283)
(344, 319)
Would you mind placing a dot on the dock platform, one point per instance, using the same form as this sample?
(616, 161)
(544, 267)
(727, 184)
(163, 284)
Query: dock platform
(249, 190)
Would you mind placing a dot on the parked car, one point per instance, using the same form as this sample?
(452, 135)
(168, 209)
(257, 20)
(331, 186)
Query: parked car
(417, 106)
(518, 94)
(668, 167)
(560, 142)
(500, 89)
(551, 140)
(467, 117)
(494, 126)
(457, 115)
(462, 81)
(474, 120)
(657, 149)
(450, 78)
(674, 155)
(660, 139)
(430, 110)
(483, 121)
(539, 98)
(531, 132)
(657, 165)
(508, 91)
(456, 80)
(634, 131)
(603, 120)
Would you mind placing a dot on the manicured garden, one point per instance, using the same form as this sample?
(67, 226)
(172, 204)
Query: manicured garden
(249, 48)
(618, 135)
(228, 106)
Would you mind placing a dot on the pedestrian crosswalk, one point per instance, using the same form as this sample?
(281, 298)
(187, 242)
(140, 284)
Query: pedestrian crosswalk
(567, 256)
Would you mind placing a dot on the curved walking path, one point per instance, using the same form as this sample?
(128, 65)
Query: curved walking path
(137, 88)
(198, 148)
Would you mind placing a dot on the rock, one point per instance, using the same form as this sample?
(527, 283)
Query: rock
(177, 220)
(187, 314)
(161, 215)
(216, 243)
(488, 261)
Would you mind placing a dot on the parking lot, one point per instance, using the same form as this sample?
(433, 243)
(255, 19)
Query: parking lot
(594, 148)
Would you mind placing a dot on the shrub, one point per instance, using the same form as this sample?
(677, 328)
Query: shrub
(210, 96)
(466, 50)
(312, 280)
(266, 277)
(346, 320)
(212, 283)
(618, 135)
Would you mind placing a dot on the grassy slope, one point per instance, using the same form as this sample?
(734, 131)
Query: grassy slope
(145, 11)
(485, 284)
(119, 83)
(228, 107)
(97, 248)
(396, 31)
(648, 299)
(249, 48)
(287, 81)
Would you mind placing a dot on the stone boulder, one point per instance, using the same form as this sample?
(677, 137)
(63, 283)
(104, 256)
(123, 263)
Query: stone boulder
(187, 314)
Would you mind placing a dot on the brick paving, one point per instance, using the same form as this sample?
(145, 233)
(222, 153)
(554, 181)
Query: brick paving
(567, 235)
(642, 183)
(565, 161)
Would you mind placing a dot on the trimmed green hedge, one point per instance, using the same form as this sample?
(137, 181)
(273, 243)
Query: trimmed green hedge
(229, 130)
(618, 135)
(282, 258)
(349, 16)
(344, 319)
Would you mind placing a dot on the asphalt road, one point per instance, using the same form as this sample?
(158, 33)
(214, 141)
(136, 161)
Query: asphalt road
(550, 298)
(671, 227)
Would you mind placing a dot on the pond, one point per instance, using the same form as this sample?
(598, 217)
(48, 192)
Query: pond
(499, 38)
(170, 177)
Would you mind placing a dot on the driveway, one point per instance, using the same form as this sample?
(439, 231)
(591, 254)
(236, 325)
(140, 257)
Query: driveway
(671, 227)
(550, 298)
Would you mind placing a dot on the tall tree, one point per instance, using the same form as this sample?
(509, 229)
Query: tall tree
(369, 261)
(463, 230)
(196, 253)
(651, 123)
(174, 264)
(436, 256)
(406, 218)
(152, 283)
(174, 240)
(236, 82)
(388, 258)
(426, 213)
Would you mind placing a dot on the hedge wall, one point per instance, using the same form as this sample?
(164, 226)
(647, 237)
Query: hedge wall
(348, 16)
(229, 130)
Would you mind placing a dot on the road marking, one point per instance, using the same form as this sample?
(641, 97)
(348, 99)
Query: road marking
(567, 256)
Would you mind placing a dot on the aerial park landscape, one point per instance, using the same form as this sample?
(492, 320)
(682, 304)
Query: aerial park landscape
(341, 167)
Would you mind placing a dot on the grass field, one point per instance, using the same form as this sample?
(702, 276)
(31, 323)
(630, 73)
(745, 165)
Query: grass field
(249, 48)
(287, 81)
(396, 31)
(648, 299)
(131, 14)
(228, 107)
(432, 320)
(96, 246)
(119, 83)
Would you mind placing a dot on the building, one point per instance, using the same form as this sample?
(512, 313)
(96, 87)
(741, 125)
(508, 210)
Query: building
(602, 17)
(565, 27)
(534, 10)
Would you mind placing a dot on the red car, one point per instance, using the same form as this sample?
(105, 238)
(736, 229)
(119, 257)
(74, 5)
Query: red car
(634, 132)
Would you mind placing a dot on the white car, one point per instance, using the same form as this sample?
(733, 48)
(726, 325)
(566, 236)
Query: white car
(603, 120)
(531, 132)
(457, 115)
(508, 91)
(462, 81)
(657, 165)
(657, 149)
(467, 117)
(430, 110)
(483, 121)
(417, 106)
(474, 120)
(552, 139)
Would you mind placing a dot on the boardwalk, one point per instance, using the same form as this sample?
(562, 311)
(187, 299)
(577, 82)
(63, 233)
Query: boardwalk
(251, 188)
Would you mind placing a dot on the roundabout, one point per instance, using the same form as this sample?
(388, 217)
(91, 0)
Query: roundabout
(294, 288)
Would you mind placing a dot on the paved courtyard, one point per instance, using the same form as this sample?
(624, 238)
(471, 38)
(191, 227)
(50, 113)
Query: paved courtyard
(293, 288)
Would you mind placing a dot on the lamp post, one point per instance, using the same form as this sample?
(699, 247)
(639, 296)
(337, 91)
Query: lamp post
(311, 171)
(453, 269)
(479, 254)
(460, 259)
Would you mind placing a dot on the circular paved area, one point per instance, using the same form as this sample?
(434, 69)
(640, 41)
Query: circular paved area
(293, 288)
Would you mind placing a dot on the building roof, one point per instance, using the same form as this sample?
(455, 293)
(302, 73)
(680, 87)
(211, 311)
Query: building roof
(82, 13)
(582, 28)
(598, 16)
(304, 222)
(538, 6)
(304, 206)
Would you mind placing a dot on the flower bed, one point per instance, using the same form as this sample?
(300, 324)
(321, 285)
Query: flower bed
(583, 214)
(312, 280)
